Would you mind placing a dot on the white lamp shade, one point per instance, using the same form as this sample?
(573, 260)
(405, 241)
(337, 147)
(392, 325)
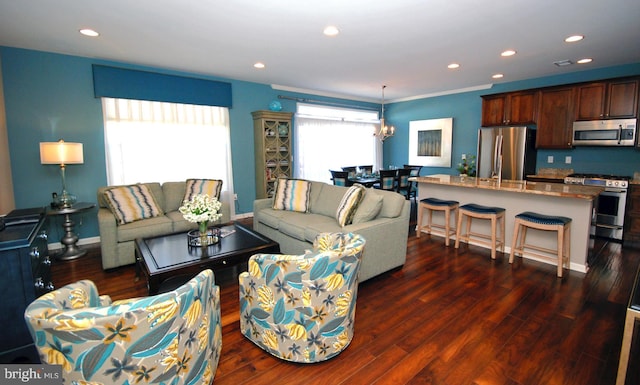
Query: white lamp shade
(61, 153)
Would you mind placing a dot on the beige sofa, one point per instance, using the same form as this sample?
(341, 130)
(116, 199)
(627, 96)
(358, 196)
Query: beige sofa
(384, 225)
(117, 241)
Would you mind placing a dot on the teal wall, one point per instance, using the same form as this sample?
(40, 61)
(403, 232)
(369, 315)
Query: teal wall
(466, 111)
(50, 96)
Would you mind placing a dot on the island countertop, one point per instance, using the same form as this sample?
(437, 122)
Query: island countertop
(539, 188)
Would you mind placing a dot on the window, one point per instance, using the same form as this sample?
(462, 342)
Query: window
(327, 138)
(162, 142)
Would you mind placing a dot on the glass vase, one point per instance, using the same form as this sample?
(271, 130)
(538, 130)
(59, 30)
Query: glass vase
(204, 238)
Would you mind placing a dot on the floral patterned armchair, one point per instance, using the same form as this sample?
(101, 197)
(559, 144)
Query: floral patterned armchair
(301, 308)
(170, 338)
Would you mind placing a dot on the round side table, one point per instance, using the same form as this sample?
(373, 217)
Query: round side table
(70, 239)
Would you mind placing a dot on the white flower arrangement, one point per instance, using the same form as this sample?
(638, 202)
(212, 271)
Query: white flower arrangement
(201, 208)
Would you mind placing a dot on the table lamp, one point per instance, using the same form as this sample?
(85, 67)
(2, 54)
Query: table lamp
(62, 153)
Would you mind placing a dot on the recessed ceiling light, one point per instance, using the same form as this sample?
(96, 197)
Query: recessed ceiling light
(331, 30)
(453, 66)
(497, 76)
(508, 52)
(89, 32)
(585, 60)
(574, 38)
(259, 65)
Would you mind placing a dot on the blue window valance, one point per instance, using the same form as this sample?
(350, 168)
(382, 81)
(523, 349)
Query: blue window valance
(125, 83)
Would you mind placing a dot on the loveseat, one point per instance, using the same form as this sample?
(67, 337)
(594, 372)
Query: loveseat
(381, 217)
(117, 239)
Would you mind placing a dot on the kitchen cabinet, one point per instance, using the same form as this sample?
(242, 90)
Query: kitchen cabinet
(555, 118)
(607, 100)
(272, 143)
(514, 108)
(26, 274)
(631, 232)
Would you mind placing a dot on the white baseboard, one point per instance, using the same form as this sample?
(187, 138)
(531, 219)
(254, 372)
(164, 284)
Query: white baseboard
(81, 242)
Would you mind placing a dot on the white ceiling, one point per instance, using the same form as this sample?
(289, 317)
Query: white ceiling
(404, 44)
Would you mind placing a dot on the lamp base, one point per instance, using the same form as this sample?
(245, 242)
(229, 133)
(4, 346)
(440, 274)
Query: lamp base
(67, 200)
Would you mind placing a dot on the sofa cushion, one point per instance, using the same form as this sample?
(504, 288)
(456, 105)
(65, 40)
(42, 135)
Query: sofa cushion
(269, 217)
(179, 223)
(211, 187)
(173, 194)
(296, 224)
(369, 207)
(292, 195)
(132, 203)
(392, 203)
(321, 225)
(325, 198)
(143, 229)
(349, 204)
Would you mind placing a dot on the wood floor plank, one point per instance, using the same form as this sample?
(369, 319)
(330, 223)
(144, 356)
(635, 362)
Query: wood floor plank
(448, 316)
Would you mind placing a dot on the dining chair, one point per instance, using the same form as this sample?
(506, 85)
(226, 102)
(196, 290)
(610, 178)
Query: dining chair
(367, 170)
(403, 185)
(340, 178)
(415, 171)
(388, 180)
(352, 170)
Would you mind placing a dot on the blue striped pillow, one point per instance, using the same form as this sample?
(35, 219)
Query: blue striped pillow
(349, 204)
(292, 195)
(132, 203)
(211, 187)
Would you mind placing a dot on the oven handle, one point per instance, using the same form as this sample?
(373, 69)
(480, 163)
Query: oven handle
(614, 190)
(619, 133)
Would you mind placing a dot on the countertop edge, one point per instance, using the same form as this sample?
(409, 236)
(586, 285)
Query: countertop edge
(540, 188)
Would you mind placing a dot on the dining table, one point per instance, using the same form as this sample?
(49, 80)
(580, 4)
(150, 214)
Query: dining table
(366, 180)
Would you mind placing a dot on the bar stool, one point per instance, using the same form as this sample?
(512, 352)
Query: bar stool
(495, 214)
(435, 204)
(562, 225)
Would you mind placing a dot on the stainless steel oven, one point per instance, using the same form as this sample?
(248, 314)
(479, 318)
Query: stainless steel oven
(610, 206)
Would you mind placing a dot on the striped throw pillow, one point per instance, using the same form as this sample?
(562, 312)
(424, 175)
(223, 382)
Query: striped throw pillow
(211, 187)
(292, 195)
(349, 204)
(132, 203)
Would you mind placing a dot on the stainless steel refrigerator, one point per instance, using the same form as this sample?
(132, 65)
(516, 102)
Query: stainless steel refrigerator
(507, 153)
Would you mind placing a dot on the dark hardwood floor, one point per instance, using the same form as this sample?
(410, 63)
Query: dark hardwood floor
(447, 317)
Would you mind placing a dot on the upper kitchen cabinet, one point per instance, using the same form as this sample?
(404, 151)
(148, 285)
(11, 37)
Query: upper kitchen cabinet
(607, 100)
(555, 118)
(510, 109)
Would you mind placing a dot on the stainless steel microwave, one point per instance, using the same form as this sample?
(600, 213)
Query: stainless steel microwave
(615, 132)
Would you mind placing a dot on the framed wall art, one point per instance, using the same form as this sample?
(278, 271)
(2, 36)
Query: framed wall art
(430, 142)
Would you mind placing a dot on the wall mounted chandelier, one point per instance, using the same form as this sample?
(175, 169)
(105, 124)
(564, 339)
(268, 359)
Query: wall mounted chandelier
(385, 131)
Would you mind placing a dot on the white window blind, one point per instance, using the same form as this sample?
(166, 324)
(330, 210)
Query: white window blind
(329, 138)
(161, 142)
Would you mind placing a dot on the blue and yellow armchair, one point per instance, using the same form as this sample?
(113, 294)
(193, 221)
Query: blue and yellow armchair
(301, 308)
(171, 338)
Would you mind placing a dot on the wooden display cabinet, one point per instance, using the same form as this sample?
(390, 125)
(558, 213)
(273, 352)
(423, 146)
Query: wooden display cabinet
(272, 140)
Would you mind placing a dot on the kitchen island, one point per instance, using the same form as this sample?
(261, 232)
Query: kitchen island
(573, 201)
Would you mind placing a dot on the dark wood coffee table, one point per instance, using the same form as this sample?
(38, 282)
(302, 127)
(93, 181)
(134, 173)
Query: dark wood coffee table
(168, 258)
